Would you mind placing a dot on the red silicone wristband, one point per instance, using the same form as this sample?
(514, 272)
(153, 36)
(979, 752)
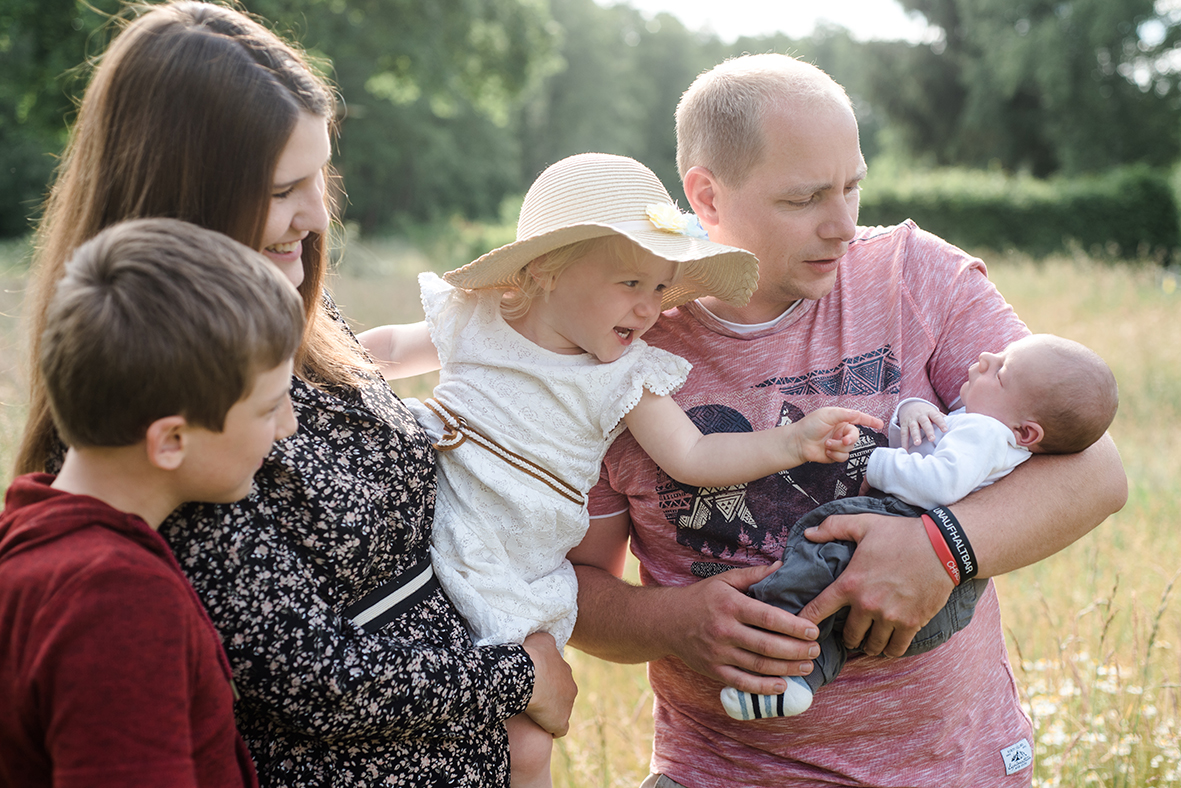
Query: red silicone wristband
(942, 551)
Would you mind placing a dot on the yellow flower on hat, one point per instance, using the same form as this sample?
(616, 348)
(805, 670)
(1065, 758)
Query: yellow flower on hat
(666, 217)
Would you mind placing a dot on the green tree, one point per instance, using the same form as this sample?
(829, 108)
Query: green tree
(615, 89)
(42, 42)
(428, 92)
(1036, 85)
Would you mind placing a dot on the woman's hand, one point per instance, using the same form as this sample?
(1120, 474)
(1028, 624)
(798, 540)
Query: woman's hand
(553, 685)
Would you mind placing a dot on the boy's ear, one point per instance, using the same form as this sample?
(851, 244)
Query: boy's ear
(167, 441)
(702, 190)
(1029, 434)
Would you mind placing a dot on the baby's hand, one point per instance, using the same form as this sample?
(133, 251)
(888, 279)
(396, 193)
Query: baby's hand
(917, 418)
(828, 434)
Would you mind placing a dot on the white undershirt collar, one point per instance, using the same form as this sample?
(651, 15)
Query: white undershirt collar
(751, 328)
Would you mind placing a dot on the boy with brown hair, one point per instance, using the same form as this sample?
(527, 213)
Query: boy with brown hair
(167, 361)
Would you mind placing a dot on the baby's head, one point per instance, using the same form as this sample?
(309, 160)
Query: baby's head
(1056, 395)
(608, 211)
(156, 318)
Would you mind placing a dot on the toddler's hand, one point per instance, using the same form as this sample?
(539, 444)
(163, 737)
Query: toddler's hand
(918, 418)
(829, 434)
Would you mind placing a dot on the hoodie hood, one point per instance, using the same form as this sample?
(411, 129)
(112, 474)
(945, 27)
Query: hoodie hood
(23, 526)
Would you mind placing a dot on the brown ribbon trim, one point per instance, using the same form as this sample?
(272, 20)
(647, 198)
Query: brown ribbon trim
(458, 430)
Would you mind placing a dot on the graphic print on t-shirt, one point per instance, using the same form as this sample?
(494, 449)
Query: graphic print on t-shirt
(877, 372)
(745, 519)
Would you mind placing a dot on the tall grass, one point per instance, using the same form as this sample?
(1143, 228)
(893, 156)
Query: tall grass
(14, 260)
(1094, 632)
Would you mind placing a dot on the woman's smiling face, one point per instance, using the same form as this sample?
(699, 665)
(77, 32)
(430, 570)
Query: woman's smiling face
(297, 196)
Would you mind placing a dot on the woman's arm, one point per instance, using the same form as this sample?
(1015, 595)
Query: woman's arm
(401, 351)
(720, 459)
(300, 662)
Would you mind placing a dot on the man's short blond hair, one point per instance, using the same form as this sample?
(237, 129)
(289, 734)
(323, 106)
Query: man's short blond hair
(720, 117)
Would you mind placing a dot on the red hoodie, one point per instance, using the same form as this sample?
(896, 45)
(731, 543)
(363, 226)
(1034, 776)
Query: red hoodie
(111, 673)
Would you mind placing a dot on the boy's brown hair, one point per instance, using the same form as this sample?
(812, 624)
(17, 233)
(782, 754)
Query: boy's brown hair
(159, 317)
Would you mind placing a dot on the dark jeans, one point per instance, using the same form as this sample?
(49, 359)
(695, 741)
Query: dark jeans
(808, 568)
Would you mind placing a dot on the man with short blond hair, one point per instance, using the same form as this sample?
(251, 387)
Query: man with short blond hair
(770, 159)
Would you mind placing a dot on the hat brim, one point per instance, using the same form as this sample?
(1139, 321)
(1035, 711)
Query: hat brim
(707, 268)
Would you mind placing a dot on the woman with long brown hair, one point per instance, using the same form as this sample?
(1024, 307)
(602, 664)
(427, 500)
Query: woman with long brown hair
(353, 667)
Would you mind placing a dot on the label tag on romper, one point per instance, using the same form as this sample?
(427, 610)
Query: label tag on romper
(1017, 757)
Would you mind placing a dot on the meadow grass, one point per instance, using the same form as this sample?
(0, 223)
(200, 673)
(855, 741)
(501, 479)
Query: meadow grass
(1094, 632)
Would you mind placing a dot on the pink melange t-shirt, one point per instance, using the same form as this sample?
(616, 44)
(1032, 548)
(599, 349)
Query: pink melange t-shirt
(908, 314)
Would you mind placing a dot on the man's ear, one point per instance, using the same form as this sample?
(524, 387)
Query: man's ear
(167, 441)
(702, 190)
(1029, 434)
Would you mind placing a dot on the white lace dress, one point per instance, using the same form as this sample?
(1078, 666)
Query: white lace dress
(501, 535)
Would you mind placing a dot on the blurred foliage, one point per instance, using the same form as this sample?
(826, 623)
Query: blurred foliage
(450, 107)
(615, 88)
(42, 43)
(428, 89)
(1124, 213)
(428, 93)
(1041, 86)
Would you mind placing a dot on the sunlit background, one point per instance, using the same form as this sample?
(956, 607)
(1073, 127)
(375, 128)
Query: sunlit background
(1042, 135)
(864, 19)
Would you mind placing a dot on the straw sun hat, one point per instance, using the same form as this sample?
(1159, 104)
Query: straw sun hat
(592, 195)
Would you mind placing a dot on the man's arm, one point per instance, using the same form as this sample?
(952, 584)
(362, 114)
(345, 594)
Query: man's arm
(711, 625)
(894, 583)
(1054, 502)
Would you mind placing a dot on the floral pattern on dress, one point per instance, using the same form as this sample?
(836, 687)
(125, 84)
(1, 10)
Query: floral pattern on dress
(339, 509)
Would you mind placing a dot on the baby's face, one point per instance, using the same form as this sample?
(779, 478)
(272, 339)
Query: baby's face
(999, 384)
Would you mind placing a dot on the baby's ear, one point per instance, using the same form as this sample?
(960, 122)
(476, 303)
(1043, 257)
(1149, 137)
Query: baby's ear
(1029, 434)
(167, 441)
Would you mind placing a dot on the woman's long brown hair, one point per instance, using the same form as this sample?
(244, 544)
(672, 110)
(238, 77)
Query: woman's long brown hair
(186, 116)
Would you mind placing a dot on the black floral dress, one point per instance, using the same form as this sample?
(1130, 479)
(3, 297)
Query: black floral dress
(340, 508)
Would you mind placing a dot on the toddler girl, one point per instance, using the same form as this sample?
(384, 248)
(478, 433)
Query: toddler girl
(542, 367)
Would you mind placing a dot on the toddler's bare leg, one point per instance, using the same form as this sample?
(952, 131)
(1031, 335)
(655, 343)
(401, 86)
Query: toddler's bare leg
(529, 748)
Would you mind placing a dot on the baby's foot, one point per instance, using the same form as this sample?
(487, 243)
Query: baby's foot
(748, 706)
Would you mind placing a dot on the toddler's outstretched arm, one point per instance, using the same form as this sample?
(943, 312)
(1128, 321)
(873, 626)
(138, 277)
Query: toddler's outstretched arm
(725, 458)
(401, 351)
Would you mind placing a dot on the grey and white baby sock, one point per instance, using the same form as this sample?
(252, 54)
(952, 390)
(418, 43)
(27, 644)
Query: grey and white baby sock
(747, 706)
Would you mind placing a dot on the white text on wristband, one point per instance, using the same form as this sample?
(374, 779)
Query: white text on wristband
(957, 541)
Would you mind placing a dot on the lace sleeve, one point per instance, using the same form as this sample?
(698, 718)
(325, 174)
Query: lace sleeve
(650, 368)
(447, 310)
